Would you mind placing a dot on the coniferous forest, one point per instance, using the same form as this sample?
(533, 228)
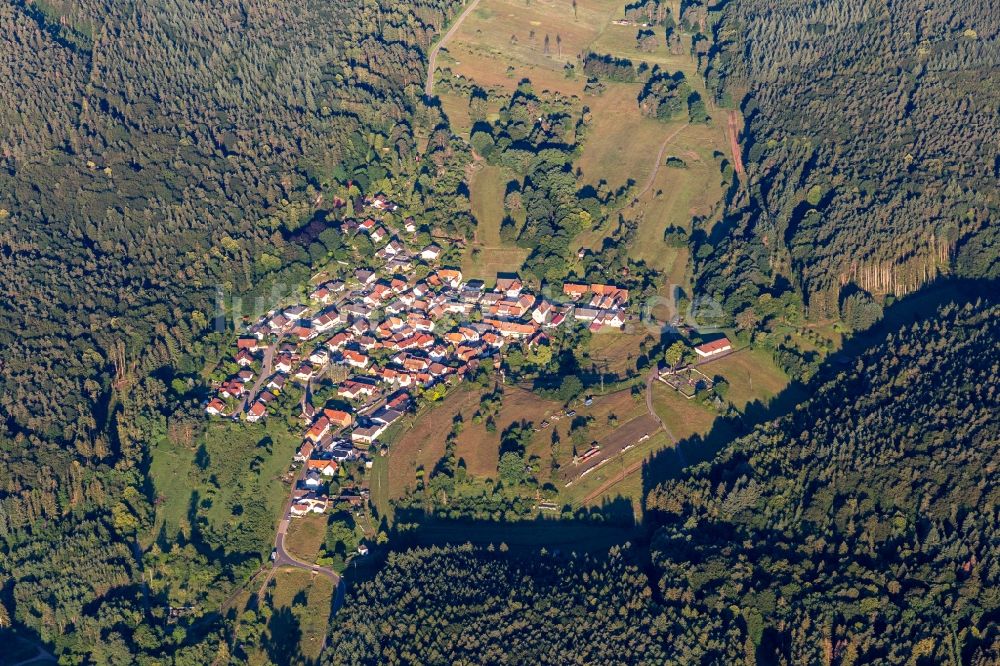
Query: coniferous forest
(162, 160)
(860, 528)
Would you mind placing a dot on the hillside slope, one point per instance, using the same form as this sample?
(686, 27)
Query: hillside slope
(860, 529)
(870, 146)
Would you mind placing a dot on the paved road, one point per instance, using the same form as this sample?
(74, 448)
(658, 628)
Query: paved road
(282, 557)
(41, 656)
(265, 372)
(432, 56)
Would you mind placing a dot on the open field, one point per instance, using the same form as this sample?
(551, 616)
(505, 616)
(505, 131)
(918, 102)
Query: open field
(456, 107)
(487, 188)
(621, 144)
(423, 444)
(170, 469)
(305, 536)
(240, 457)
(301, 604)
(684, 417)
(492, 260)
(514, 33)
(751, 374)
(613, 351)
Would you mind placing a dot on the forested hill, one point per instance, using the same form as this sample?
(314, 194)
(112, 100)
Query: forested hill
(870, 146)
(149, 153)
(466, 605)
(862, 528)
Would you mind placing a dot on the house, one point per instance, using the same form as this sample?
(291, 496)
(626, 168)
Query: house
(304, 452)
(309, 505)
(324, 467)
(509, 285)
(586, 314)
(256, 412)
(295, 312)
(393, 248)
(278, 322)
(232, 388)
(352, 389)
(399, 401)
(430, 253)
(304, 331)
(284, 363)
(356, 359)
(362, 549)
(575, 291)
(244, 358)
(378, 234)
(305, 372)
(321, 294)
(277, 382)
(320, 356)
(338, 341)
(313, 479)
(326, 320)
(216, 407)
(247, 343)
(368, 434)
(386, 416)
(410, 225)
(318, 429)
(511, 329)
(714, 347)
(365, 276)
(616, 294)
(245, 375)
(542, 312)
(339, 418)
(342, 452)
(451, 277)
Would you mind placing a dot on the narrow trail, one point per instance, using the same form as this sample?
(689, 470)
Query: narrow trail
(659, 163)
(432, 56)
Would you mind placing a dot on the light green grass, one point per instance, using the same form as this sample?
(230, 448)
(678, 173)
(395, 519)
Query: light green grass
(487, 191)
(236, 458)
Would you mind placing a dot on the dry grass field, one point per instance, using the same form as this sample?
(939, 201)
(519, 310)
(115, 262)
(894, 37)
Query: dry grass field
(487, 255)
(305, 536)
(302, 602)
(423, 443)
(511, 33)
(751, 374)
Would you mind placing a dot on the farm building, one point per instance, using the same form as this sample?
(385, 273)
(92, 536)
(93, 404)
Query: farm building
(714, 347)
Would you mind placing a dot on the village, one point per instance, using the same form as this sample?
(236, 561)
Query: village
(388, 338)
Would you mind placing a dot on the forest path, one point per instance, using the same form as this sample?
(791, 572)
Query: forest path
(432, 56)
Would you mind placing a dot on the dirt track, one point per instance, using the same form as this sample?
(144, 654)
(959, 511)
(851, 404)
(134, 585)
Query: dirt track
(733, 132)
(432, 56)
